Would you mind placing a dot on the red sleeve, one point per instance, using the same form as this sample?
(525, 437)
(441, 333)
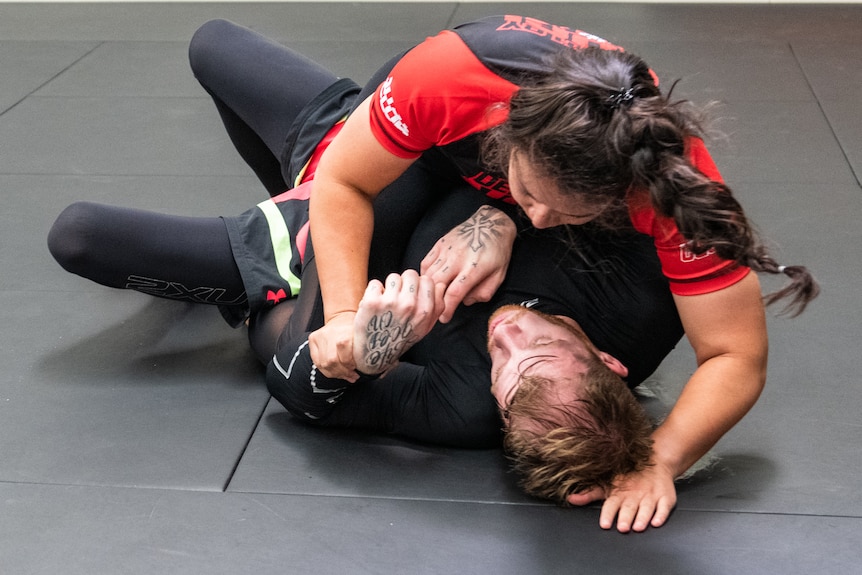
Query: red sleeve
(438, 93)
(687, 273)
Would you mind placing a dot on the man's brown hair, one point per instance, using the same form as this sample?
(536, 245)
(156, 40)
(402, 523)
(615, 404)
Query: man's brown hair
(560, 448)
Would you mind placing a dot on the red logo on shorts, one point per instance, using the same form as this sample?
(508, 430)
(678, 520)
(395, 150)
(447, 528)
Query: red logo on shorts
(275, 297)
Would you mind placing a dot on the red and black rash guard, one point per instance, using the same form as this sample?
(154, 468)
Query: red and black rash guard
(448, 90)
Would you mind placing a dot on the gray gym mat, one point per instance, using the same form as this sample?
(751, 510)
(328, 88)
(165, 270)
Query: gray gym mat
(138, 437)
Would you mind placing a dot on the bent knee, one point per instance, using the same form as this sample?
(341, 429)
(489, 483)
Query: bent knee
(203, 46)
(68, 239)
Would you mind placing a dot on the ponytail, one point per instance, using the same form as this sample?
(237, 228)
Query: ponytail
(596, 123)
(709, 217)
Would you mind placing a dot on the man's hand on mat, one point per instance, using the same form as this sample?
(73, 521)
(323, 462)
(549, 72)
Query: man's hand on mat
(392, 317)
(331, 347)
(471, 260)
(636, 500)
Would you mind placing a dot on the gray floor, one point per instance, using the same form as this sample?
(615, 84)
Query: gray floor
(136, 436)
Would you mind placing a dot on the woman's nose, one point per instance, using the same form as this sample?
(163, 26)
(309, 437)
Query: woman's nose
(541, 216)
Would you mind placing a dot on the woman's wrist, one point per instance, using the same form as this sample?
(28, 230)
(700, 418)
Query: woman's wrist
(668, 455)
(329, 317)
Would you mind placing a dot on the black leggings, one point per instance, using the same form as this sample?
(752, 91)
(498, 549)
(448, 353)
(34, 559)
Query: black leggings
(181, 258)
(190, 258)
(174, 257)
(259, 88)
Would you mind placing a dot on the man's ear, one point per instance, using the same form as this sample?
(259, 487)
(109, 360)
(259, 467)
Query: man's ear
(614, 364)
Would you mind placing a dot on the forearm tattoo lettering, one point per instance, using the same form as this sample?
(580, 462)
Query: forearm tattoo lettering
(386, 340)
(481, 226)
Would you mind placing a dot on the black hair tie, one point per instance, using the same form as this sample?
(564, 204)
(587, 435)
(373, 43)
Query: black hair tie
(621, 96)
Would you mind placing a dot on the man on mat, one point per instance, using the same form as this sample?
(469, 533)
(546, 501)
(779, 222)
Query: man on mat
(438, 389)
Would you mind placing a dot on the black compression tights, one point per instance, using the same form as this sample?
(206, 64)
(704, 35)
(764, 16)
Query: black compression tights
(174, 257)
(259, 87)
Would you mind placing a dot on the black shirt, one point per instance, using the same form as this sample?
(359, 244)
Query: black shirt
(610, 282)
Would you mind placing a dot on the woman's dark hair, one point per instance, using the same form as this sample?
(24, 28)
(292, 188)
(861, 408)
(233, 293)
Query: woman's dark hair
(598, 125)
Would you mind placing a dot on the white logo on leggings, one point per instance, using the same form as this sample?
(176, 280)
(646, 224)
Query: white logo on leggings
(389, 110)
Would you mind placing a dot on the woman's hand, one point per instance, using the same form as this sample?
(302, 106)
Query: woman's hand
(352, 171)
(636, 500)
(727, 330)
(393, 317)
(331, 348)
(472, 259)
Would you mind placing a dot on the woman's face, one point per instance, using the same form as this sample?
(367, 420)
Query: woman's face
(542, 200)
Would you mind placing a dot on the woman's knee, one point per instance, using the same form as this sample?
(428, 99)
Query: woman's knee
(204, 45)
(68, 239)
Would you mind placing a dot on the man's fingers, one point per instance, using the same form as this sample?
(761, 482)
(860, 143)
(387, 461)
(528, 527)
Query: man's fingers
(392, 287)
(436, 264)
(443, 274)
(373, 290)
(439, 303)
(375, 286)
(484, 290)
(427, 309)
(453, 297)
(409, 285)
(431, 259)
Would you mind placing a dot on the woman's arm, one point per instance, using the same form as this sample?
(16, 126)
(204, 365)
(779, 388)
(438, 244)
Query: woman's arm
(727, 330)
(471, 260)
(351, 173)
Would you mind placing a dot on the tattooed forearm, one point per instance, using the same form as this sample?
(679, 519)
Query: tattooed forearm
(385, 341)
(486, 222)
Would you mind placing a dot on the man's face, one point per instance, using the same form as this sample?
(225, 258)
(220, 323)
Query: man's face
(523, 342)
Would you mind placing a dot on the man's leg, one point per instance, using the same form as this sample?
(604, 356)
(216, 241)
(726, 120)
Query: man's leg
(268, 327)
(181, 258)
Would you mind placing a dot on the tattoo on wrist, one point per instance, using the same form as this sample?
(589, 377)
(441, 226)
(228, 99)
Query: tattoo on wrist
(385, 341)
(482, 225)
